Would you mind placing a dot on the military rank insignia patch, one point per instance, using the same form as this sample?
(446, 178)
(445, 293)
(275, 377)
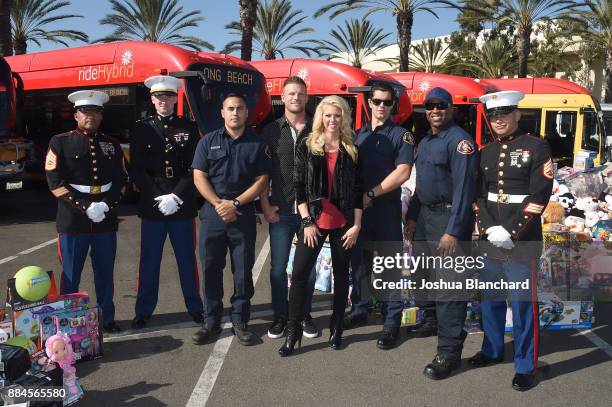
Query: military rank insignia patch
(547, 169)
(465, 147)
(50, 161)
(408, 138)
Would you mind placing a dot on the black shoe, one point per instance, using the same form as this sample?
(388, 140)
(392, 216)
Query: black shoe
(423, 330)
(205, 334)
(294, 335)
(353, 321)
(335, 337)
(140, 321)
(197, 317)
(482, 360)
(522, 382)
(441, 367)
(388, 338)
(241, 331)
(277, 329)
(111, 327)
(309, 328)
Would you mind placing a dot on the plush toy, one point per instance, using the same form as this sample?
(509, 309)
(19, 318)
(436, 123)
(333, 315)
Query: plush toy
(59, 350)
(554, 213)
(568, 201)
(574, 223)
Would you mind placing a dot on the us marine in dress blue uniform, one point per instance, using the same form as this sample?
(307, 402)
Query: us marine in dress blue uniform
(440, 215)
(386, 155)
(86, 173)
(516, 178)
(231, 169)
(162, 148)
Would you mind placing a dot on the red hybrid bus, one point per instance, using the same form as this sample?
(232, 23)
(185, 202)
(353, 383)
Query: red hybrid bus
(13, 149)
(120, 69)
(331, 78)
(469, 112)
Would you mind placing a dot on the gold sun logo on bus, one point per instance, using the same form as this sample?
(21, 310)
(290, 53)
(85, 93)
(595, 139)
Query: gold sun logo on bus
(126, 57)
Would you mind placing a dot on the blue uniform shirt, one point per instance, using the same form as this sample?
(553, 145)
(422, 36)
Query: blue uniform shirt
(381, 150)
(232, 165)
(446, 171)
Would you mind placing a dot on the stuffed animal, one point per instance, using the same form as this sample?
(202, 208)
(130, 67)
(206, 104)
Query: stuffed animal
(574, 223)
(568, 202)
(554, 213)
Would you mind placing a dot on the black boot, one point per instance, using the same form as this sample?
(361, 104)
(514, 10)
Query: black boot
(335, 335)
(294, 335)
(388, 338)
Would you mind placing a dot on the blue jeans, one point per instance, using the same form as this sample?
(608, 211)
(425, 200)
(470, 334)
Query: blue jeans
(281, 236)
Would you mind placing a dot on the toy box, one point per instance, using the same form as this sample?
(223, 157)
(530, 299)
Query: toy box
(81, 325)
(17, 303)
(25, 321)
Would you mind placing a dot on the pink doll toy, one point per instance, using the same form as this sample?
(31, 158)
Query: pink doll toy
(59, 351)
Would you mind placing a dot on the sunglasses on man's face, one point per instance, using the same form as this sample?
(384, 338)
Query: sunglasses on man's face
(438, 105)
(386, 102)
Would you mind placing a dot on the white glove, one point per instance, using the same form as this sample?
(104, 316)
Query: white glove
(168, 204)
(499, 237)
(96, 211)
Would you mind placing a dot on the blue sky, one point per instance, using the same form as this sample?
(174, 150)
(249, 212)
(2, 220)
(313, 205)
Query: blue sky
(218, 13)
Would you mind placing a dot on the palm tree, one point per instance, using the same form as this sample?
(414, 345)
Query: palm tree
(522, 15)
(275, 32)
(597, 19)
(153, 20)
(429, 56)
(403, 10)
(358, 40)
(29, 18)
(6, 40)
(495, 59)
(248, 18)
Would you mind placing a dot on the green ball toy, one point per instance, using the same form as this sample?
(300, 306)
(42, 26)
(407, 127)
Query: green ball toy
(32, 283)
(22, 342)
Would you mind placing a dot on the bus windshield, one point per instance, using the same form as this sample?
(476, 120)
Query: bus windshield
(206, 91)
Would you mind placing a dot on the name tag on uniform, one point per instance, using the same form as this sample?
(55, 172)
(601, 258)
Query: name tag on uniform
(215, 147)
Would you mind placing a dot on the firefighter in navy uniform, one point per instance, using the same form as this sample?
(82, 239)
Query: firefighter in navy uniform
(86, 173)
(516, 183)
(161, 149)
(386, 151)
(441, 218)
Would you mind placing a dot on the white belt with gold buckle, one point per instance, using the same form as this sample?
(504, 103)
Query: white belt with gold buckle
(506, 198)
(92, 189)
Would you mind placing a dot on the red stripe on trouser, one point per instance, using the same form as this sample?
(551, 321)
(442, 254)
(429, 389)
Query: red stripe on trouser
(195, 257)
(536, 314)
(59, 254)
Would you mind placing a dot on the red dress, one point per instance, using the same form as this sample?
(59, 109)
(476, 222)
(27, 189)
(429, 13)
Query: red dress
(331, 217)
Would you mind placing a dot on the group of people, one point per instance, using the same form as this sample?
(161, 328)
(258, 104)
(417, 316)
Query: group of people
(316, 179)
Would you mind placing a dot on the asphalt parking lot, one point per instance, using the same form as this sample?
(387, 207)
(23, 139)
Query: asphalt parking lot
(159, 366)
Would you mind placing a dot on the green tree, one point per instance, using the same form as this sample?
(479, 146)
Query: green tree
(597, 31)
(276, 31)
(522, 15)
(403, 10)
(495, 59)
(248, 18)
(429, 56)
(29, 19)
(6, 40)
(153, 20)
(358, 40)
(552, 53)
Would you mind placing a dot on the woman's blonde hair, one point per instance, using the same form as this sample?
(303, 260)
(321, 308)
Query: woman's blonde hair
(316, 141)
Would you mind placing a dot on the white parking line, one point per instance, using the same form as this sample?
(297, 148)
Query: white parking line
(28, 251)
(203, 388)
(597, 341)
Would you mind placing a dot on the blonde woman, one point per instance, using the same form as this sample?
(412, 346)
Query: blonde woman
(329, 198)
